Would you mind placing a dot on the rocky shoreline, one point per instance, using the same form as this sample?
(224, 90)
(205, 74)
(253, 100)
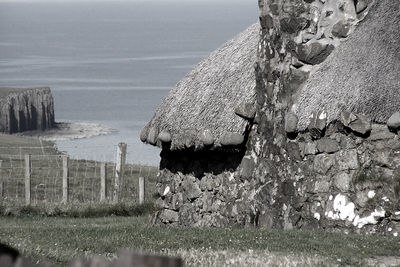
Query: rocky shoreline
(65, 131)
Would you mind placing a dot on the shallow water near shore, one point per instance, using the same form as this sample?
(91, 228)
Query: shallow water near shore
(112, 62)
(126, 111)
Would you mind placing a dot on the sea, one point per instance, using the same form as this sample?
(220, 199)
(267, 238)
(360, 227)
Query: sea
(112, 62)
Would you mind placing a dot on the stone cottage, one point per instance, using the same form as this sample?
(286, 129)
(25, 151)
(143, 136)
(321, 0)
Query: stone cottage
(306, 139)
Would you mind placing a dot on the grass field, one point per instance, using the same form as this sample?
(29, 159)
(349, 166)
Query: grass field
(46, 162)
(60, 233)
(60, 239)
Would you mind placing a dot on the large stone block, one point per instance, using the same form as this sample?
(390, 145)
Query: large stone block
(323, 163)
(191, 189)
(341, 29)
(342, 181)
(394, 121)
(247, 168)
(356, 122)
(314, 53)
(169, 216)
(291, 122)
(327, 145)
(347, 160)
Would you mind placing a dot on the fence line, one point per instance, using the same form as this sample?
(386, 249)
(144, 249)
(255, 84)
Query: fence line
(33, 179)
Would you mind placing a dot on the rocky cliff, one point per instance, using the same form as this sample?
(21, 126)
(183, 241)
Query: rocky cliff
(24, 109)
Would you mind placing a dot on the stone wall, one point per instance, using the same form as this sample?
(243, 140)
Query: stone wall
(31, 109)
(343, 176)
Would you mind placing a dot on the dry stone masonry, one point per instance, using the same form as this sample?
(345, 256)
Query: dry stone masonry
(340, 174)
(28, 109)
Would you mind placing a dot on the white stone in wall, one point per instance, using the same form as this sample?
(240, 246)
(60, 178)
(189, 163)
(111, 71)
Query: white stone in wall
(371, 219)
(345, 210)
(371, 194)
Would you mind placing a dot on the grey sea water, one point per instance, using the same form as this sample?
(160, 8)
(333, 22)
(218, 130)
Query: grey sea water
(112, 62)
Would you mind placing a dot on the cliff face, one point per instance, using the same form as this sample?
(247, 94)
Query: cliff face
(26, 109)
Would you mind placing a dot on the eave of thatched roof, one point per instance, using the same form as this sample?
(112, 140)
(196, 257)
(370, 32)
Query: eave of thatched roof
(362, 74)
(214, 104)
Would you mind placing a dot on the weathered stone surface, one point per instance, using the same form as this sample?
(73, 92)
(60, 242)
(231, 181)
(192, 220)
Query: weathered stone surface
(347, 160)
(25, 110)
(314, 53)
(291, 122)
(309, 148)
(341, 29)
(342, 181)
(293, 149)
(246, 110)
(323, 163)
(231, 139)
(322, 186)
(362, 198)
(247, 168)
(356, 122)
(177, 201)
(293, 24)
(317, 124)
(164, 137)
(327, 145)
(143, 134)
(383, 158)
(394, 121)
(191, 189)
(349, 9)
(380, 132)
(169, 216)
(297, 77)
(361, 6)
(346, 142)
(207, 138)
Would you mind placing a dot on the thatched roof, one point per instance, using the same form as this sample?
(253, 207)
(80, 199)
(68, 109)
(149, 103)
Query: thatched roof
(362, 75)
(203, 108)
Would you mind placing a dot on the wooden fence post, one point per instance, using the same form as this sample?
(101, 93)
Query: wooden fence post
(65, 196)
(103, 178)
(27, 179)
(1, 182)
(119, 169)
(142, 190)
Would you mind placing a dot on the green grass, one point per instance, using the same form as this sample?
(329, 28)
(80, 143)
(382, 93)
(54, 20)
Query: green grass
(16, 145)
(79, 210)
(60, 239)
(46, 183)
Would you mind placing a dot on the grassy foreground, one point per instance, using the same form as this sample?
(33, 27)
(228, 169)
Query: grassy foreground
(60, 239)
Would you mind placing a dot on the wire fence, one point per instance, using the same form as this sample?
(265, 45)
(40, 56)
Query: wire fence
(42, 179)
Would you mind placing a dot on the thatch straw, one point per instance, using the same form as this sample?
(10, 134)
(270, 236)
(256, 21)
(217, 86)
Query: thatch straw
(362, 75)
(200, 110)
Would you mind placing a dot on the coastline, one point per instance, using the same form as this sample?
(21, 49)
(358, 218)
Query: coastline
(66, 131)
